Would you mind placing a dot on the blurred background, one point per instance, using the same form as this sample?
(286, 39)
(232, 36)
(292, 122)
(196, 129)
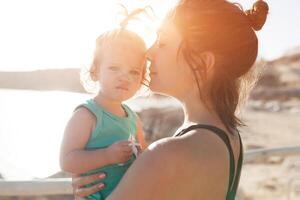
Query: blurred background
(45, 44)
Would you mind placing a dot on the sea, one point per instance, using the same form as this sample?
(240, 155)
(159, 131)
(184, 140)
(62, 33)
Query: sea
(32, 125)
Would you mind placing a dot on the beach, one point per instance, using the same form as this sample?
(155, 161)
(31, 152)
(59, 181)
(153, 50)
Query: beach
(33, 121)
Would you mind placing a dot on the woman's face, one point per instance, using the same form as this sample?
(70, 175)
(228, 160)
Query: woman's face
(168, 72)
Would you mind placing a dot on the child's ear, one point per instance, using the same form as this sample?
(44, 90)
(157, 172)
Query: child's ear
(93, 73)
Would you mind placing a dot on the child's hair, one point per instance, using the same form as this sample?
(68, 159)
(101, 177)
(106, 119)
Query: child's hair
(105, 40)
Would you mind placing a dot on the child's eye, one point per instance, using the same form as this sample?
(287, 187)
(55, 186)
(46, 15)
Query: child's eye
(113, 68)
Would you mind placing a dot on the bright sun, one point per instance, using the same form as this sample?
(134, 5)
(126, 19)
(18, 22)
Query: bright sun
(60, 34)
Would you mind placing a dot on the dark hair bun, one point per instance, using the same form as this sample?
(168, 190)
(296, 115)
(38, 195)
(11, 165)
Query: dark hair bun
(258, 14)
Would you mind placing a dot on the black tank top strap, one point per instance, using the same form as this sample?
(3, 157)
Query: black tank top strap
(239, 167)
(221, 134)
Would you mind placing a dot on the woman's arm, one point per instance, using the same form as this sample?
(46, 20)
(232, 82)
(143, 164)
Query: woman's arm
(146, 176)
(73, 157)
(187, 167)
(142, 178)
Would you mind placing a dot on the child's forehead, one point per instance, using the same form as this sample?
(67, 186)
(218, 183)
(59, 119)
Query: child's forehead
(120, 37)
(125, 48)
(126, 44)
(123, 54)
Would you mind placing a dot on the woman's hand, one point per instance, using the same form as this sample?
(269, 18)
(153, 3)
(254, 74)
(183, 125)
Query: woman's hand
(119, 152)
(79, 183)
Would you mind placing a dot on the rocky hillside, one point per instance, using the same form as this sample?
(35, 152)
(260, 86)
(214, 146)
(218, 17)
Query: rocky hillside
(278, 79)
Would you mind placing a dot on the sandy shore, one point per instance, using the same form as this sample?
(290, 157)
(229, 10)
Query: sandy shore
(273, 120)
(274, 178)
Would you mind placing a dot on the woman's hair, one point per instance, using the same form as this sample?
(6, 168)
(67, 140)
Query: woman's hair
(224, 29)
(105, 40)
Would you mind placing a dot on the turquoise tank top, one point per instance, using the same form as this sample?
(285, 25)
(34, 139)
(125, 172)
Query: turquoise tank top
(109, 129)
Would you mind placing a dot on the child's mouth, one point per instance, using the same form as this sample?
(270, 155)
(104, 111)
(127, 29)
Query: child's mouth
(122, 88)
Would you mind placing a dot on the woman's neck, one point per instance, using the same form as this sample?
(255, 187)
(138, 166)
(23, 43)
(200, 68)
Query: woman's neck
(196, 112)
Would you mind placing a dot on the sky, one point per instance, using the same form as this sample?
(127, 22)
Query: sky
(40, 34)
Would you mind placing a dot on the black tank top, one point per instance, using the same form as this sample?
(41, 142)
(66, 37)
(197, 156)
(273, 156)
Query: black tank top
(233, 179)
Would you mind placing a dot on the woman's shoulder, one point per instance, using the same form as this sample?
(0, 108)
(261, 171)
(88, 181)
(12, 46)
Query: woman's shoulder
(192, 159)
(196, 147)
(161, 154)
(179, 168)
(203, 141)
(199, 141)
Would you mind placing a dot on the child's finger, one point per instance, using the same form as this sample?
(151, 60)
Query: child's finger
(127, 154)
(126, 148)
(127, 157)
(127, 151)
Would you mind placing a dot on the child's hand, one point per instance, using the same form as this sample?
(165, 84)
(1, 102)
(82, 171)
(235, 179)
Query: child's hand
(139, 149)
(119, 152)
(136, 147)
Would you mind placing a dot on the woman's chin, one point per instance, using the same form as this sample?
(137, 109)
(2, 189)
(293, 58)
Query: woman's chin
(158, 90)
(154, 87)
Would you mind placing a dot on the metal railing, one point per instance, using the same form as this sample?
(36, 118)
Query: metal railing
(62, 186)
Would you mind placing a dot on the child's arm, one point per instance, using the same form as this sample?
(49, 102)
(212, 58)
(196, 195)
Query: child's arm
(140, 134)
(73, 157)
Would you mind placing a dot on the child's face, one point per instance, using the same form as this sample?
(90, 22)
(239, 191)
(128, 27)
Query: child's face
(120, 71)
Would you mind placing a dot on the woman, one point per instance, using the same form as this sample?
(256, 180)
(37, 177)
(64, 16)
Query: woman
(203, 51)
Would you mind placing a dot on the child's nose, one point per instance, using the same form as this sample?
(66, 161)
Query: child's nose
(124, 76)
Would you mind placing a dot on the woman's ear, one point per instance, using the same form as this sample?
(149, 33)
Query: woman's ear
(209, 60)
